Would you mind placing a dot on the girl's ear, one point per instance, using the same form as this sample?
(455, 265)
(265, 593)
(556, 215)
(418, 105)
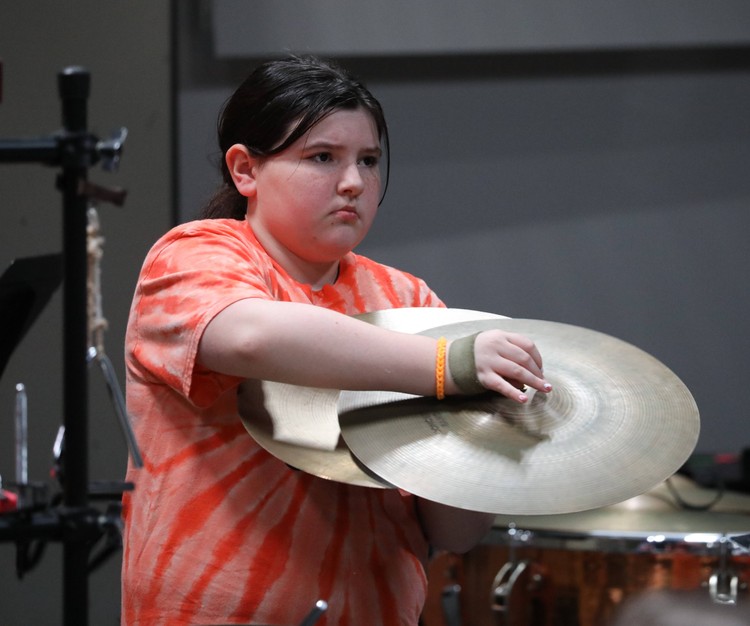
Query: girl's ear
(241, 165)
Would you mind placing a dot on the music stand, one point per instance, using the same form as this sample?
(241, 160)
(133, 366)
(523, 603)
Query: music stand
(26, 287)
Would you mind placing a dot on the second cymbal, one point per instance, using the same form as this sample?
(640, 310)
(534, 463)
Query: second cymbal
(617, 423)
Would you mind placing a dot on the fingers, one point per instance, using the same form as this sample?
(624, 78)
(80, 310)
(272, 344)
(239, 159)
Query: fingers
(509, 362)
(527, 346)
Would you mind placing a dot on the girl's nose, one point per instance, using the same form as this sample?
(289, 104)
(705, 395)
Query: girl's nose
(351, 182)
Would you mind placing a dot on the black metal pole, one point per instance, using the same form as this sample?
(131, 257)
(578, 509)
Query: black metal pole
(74, 86)
(24, 150)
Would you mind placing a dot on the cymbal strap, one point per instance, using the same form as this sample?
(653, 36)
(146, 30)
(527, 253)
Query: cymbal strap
(463, 366)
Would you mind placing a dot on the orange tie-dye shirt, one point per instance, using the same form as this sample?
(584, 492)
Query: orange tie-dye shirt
(217, 530)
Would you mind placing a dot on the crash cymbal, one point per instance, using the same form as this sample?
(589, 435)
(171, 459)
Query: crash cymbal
(300, 426)
(661, 510)
(617, 423)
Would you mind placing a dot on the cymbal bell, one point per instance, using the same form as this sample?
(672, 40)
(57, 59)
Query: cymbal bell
(300, 425)
(617, 423)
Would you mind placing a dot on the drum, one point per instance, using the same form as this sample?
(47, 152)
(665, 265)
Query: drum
(576, 569)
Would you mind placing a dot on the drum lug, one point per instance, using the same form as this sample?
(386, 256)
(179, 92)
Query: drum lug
(451, 602)
(520, 595)
(502, 586)
(723, 584)
(723, 588)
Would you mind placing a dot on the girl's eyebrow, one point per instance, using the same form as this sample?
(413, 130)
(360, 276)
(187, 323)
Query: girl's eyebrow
(322, 144)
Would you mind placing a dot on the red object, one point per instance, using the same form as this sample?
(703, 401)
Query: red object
(8, 501)
(726, 458)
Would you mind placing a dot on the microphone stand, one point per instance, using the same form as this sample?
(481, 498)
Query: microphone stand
(74, 150)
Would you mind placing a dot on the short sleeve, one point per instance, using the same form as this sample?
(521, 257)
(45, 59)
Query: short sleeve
(189, 276)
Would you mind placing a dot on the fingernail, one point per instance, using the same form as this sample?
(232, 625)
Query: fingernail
(547, 387)
(522, 397)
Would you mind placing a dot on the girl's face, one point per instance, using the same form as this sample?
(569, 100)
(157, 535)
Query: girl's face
(316, 200)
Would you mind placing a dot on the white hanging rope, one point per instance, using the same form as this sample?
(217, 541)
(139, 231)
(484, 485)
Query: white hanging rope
(97, 324)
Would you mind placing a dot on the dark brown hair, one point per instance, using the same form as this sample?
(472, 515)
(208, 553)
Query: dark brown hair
(276, 105)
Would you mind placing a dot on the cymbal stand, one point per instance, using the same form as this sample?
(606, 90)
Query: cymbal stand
(74, 150)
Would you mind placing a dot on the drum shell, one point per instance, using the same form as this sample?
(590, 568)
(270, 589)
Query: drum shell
(575, 580)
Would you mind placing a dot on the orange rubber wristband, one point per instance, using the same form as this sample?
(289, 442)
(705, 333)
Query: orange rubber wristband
(440, 368)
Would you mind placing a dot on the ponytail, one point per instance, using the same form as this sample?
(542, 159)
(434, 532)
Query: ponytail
(227, 202)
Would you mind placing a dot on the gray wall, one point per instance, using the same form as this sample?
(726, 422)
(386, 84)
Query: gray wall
(586, 165)
(393, 27)
(126, 48)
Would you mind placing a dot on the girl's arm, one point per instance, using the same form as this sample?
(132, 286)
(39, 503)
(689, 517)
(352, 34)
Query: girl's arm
(312, 346)
(452, 529)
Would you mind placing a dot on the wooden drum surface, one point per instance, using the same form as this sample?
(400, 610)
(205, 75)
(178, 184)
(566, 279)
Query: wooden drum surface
(576, 569)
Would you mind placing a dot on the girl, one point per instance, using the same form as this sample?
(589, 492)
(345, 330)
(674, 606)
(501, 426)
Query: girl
(218, 530)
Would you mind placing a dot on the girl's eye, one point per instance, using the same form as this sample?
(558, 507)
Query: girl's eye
(323, 157)
(370, 161)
